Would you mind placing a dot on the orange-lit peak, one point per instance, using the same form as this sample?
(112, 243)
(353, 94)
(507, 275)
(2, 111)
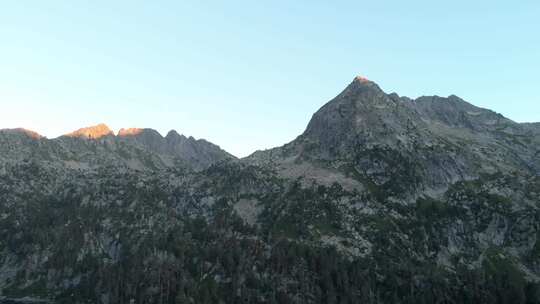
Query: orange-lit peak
(361, 79)
(130, 132)
(94, 132)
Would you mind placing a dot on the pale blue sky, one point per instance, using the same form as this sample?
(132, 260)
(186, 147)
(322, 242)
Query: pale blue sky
(248, 75)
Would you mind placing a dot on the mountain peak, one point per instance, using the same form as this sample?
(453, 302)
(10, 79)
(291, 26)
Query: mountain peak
(361, 79)
(130, 131)
(173, 134)
(93, 132)
(26, 132)
(361, 84)
(134, 131)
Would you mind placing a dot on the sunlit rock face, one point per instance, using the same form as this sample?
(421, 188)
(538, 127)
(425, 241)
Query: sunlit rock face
(93, 132)
(130, 131)
(148, 138)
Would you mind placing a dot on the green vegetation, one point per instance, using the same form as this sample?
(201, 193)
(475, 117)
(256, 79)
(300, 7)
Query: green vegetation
(176, 238)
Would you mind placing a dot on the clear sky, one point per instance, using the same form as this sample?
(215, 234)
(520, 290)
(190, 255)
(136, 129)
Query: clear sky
(248, 75)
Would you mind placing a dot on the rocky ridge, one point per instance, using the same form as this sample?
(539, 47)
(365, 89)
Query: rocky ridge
(90, 147)
(438, 141)
(383, 199)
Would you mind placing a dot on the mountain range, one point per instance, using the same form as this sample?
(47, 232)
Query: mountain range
(90, 147)
(382, 199)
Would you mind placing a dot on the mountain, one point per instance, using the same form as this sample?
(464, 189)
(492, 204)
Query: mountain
(198, 154)
(91, 147)
(382, 199)
(533, 127)
(430, 142)
(93, 132)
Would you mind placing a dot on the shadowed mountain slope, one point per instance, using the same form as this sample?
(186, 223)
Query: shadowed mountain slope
(430, 141)
(382, 199)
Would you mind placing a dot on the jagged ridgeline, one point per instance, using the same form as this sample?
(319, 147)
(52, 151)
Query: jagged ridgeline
(383, 199)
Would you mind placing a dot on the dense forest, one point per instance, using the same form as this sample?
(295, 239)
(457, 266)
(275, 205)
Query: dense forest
(119, 237)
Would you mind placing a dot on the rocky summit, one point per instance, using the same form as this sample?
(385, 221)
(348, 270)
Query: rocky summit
(382, 199)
